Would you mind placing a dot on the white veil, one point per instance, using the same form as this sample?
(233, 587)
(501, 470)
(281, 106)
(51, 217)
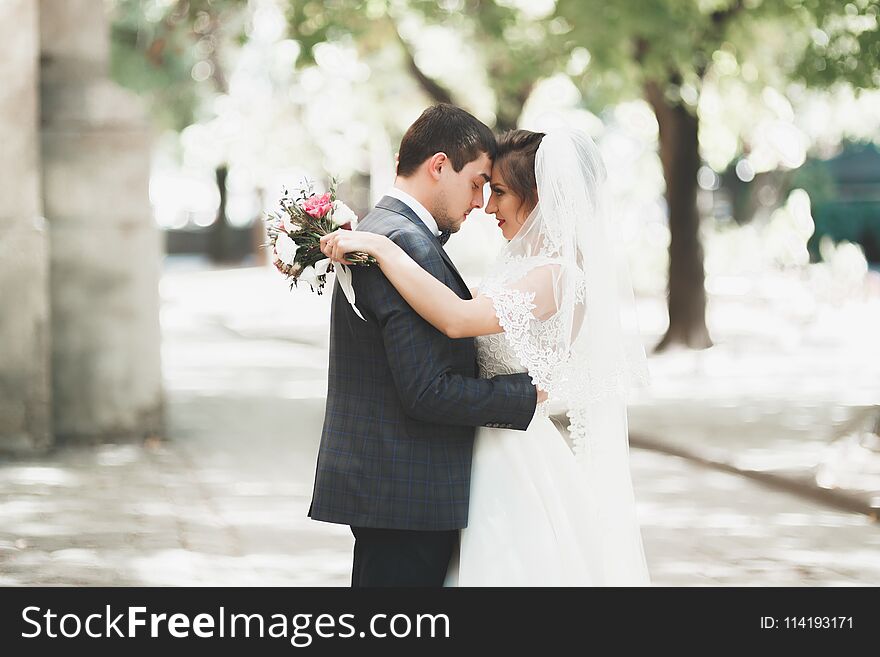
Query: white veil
(564, 298)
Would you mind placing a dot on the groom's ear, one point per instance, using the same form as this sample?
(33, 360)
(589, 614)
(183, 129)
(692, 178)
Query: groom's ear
(436, 164)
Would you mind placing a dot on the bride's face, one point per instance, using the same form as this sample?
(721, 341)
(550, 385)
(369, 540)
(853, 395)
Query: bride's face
(509, 209)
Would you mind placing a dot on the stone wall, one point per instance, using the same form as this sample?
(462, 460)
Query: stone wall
(25, 409)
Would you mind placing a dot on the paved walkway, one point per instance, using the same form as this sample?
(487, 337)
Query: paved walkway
(222, 498)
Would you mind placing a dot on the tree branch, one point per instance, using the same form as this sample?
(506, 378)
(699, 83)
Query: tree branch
(434, 89)
(719, 18)
(641, 48)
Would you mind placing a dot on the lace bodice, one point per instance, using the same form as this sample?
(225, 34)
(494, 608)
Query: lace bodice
(496, 353)
(495, 356)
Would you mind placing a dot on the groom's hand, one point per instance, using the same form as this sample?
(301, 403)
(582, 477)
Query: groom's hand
(542, 396)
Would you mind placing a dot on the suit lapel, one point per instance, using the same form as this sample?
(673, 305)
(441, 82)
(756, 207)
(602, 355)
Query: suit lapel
(401, 208)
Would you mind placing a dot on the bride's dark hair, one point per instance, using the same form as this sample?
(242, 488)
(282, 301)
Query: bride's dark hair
(515, 158)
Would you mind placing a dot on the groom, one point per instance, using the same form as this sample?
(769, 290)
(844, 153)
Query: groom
(403, 400)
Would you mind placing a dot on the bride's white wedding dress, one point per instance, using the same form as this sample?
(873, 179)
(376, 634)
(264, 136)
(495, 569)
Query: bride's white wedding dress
(534, 520)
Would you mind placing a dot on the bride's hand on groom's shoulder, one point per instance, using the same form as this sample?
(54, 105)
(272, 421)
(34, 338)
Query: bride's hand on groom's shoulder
(542, 395)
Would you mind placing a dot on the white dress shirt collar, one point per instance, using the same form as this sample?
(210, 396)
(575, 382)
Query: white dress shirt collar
(416, 207)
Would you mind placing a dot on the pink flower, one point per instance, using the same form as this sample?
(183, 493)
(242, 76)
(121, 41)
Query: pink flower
(318, 206)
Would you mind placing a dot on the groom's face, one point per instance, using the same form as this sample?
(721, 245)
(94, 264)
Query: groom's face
(459, 192)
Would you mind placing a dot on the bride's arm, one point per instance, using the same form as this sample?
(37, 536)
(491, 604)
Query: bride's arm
(437, 304)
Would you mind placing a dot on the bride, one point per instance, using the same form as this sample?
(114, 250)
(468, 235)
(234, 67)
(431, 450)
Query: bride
(545, 509)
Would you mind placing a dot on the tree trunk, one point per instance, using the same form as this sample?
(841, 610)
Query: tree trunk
(504, 122)
(219, 239)
(679, 153)
(509, 110)
(507, 117)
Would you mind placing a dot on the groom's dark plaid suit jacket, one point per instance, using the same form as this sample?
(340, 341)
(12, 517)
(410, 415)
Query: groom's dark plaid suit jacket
(403, 400)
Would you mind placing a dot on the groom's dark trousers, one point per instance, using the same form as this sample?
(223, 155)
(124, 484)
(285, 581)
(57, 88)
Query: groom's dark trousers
(403, 404)
(401, 557)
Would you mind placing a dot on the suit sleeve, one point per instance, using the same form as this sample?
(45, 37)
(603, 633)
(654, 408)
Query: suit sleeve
(420, 356)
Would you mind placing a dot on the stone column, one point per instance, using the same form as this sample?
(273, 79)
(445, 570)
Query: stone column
(25, 410)
(105, 247)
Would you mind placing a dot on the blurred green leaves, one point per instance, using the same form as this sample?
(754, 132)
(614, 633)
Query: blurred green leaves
(172, 52)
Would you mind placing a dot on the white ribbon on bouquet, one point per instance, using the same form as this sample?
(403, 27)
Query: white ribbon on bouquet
(343, 275)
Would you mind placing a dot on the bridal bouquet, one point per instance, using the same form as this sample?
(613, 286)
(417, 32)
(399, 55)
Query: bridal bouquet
(295, 232)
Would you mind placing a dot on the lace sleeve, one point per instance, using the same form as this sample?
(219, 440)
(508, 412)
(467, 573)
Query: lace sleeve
(529, 328)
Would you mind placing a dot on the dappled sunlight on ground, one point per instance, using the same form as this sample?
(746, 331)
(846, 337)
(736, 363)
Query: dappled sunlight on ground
(712, 528)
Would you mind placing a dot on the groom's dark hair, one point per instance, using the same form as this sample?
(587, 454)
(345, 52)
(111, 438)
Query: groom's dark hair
(448, 129)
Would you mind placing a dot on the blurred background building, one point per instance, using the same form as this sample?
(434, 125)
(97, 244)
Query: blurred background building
(845, 191)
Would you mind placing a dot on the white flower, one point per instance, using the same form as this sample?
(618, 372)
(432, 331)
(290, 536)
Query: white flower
(288, 224)
(307, 275)
(342, 214)
(321, 266)
(310, 274)
(285, 249)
